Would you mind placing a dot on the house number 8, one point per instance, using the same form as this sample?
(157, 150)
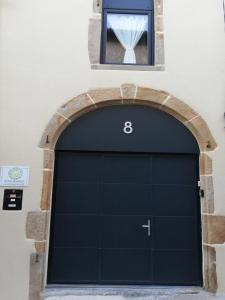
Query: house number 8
(128, 129)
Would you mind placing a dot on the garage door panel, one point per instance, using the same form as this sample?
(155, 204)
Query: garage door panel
(174, 169)
(174, 200)
(77, 167)
(175, 233)
(71, 264)
(78, 197)
(129, 198)
(133, 266)
(121, 169)
(76, 230)
(176, 267)
(100, 204)
(124, 232)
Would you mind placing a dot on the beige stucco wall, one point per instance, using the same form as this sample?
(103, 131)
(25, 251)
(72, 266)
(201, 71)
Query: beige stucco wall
(44, 62)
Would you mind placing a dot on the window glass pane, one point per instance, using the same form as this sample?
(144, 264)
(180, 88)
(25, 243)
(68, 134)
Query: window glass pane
(126, 40)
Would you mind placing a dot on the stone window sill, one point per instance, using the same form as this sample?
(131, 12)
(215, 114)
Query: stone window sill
(127, 67)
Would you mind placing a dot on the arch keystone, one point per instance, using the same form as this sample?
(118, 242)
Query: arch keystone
(128, 91)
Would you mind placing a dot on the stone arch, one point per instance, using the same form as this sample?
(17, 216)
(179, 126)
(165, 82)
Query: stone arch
(127, 94)
(212, 226)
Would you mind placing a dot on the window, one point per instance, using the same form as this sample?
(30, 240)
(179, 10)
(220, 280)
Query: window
(127, 32)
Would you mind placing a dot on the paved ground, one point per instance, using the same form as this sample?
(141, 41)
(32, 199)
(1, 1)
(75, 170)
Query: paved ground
(142, 298)
(129, 293)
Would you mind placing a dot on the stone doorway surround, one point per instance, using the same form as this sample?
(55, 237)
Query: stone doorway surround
(38, 222)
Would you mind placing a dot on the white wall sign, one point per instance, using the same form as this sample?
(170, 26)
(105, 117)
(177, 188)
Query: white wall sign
(14, 176)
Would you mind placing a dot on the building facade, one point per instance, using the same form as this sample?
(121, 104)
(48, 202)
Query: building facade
(142, 142)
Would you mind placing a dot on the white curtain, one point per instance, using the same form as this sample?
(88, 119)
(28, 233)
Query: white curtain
(128, 29)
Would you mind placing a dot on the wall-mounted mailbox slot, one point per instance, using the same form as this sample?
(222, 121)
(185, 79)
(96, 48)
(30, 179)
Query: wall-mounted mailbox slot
(12, 199)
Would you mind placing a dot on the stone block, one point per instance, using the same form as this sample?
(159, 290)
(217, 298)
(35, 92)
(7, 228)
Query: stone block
(94, 40)
(128, 91)
(52, 131)
(144, 68)
(36, 225)
(213, 229)
(179, 109)
(202, 133)
(36, 276)
(97, 6)
(102, 95)
(205, 164)
(159, 23)
(208, 199)
(75, 105)
(48, 159)
(153, 96)
(40, 247)
(159, 49)
(158, 7)
(46, 190)
(209, 264)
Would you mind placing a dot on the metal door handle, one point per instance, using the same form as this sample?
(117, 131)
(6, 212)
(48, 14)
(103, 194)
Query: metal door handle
(148, 226)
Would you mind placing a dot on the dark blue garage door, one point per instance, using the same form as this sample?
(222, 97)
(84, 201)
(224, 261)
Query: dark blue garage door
(125, 218)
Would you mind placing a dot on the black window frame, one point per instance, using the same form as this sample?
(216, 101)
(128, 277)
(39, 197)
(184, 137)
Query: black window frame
(133, 9)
